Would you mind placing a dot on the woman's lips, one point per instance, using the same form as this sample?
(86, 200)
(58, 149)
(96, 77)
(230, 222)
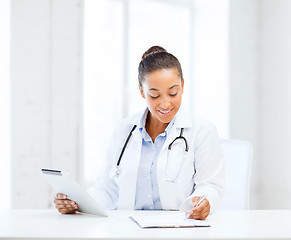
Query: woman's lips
(164, 112)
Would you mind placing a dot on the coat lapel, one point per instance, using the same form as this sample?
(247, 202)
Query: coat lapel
(182, 121)
(130, 162)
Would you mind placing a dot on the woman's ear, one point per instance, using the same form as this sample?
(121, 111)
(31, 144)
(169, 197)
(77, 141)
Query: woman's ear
(141, 91)
(182, 85)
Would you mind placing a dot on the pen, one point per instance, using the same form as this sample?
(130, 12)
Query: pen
(199, 202)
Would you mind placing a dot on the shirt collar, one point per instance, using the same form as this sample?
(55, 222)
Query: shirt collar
(142, 129)
(182, 119)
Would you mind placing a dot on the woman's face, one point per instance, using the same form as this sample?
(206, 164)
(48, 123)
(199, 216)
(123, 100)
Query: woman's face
(162, 90)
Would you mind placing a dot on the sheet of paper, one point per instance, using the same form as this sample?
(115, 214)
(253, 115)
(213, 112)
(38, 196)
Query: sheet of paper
(167, 221)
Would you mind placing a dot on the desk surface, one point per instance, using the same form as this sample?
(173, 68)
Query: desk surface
(49, 224)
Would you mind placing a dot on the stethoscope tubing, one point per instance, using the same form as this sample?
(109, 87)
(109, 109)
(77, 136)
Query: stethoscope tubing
(180, 137)
(124, 146)
(169, 147)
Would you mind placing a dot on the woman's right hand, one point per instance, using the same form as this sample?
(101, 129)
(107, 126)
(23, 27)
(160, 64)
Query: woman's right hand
(65, 205)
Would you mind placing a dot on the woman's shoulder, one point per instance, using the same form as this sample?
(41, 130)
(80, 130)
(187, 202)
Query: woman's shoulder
(203, 122)
(195, 121)
(133, 119)
(201, 130)
(205, 129)
(198, 127)
(127, 123)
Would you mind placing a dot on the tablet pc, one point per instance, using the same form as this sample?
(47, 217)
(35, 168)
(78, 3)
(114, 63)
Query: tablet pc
(61, 182)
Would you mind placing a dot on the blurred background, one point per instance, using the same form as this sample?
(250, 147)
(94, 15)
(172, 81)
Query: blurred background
(68, 73)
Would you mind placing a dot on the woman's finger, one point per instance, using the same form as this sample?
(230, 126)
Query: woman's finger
(58, 201)
(201, 214)
(66, 210)
(66, 204)
(68, 207)
(60, 196)
(201, 211)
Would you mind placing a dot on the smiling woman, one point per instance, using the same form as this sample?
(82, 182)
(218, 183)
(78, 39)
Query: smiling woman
(161, 84)
(165, 102)
(139, 173)
(115, 34)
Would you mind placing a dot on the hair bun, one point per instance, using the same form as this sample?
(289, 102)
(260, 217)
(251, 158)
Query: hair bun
(152, 50)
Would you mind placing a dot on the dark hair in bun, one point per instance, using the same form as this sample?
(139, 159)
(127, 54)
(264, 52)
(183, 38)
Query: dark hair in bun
(157, 58)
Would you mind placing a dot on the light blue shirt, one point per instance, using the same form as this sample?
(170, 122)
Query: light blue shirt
(147, 195)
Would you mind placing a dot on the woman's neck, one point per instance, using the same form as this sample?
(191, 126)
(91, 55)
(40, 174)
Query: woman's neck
(154, 127)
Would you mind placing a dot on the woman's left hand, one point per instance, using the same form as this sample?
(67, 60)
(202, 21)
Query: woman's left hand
(199, 212)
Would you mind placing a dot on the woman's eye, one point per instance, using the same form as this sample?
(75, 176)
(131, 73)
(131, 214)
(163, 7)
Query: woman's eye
(173, 95)
(154, 97)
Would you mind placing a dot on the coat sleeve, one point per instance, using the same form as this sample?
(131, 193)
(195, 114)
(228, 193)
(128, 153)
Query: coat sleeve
(106, 191)
(209, 166)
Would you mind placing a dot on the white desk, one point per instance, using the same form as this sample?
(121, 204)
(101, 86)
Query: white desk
(49, 224)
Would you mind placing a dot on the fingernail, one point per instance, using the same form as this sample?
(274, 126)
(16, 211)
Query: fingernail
(74, 204)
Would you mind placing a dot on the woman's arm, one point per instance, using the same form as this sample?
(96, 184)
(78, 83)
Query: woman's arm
(210, 173)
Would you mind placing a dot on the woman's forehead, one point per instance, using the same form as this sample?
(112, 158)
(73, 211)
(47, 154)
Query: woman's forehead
(164, 78)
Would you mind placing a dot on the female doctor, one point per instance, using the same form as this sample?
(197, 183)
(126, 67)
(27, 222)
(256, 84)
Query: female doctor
(161, 158)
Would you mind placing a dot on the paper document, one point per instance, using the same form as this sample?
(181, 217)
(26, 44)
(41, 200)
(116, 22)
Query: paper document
(167, 221)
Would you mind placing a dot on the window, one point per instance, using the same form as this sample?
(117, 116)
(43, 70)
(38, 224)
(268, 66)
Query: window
(157, 23)
(102, 79)
(117, 32)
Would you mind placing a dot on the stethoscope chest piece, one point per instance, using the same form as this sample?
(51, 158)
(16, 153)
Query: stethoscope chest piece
(114, 172)
(117, 171)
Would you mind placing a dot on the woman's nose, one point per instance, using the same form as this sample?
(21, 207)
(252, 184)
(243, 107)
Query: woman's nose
(165, 103)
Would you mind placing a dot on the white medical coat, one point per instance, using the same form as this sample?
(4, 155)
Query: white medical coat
(199, 171)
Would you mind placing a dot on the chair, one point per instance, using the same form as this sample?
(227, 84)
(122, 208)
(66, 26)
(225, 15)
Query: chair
(238, 157)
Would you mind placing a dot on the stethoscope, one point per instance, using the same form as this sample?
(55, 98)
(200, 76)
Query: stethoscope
(117, 173)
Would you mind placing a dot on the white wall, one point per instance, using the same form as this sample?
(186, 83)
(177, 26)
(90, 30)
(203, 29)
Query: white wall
(46, 60)
(243, 56)
(274, 98)
(210, 66)
(260, 62)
